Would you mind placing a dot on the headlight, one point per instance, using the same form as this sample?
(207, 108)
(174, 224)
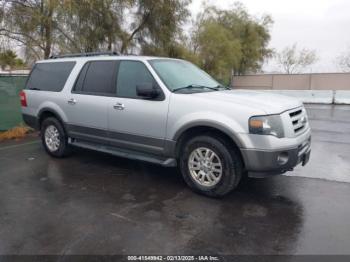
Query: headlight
(266, 125)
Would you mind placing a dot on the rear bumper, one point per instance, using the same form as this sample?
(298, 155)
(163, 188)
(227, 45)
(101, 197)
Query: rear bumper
(262, 163)
(31, 121)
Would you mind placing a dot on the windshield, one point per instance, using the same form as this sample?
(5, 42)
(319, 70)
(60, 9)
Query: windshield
(179, 74)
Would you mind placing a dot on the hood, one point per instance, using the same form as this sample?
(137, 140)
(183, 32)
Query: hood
(268, 102)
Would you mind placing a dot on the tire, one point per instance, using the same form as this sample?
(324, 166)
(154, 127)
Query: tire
(58, 145)
(226, 156)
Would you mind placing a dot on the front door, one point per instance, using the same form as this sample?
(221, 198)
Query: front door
(134, 122)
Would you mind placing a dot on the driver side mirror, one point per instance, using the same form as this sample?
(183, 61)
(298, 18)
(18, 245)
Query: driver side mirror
(147, 90)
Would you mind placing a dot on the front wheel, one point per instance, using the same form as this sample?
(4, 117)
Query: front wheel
(210, 166)
(54, 138)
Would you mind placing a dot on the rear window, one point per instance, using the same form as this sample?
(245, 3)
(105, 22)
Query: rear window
(49, 76)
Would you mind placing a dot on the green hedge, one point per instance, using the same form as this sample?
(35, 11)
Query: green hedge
(10, 107)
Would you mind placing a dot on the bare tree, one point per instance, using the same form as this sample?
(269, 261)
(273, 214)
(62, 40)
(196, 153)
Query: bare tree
(42, 27)
(343, 61)
(29, 23)
(291, 60)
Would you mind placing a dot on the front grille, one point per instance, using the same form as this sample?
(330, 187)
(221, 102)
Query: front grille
(296, 113)
(299, 120)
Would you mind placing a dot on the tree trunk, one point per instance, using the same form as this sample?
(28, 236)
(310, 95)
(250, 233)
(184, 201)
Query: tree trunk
(127, 41)
(48, 30)
(109, 47)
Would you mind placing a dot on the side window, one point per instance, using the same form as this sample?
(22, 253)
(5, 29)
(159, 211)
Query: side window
(131, 74)
(96, 77)
(49, 76)
(80, 81)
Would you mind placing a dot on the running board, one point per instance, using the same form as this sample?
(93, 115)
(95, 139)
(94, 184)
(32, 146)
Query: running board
(166, 162)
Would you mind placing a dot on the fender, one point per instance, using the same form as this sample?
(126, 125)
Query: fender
(52, 111)
(213, 124)
(53, 108)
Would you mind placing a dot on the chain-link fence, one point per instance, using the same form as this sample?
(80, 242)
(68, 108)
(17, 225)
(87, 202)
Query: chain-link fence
(10, 107)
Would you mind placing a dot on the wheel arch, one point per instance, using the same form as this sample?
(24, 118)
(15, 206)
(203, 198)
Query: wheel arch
(46, 112)
(200, 128)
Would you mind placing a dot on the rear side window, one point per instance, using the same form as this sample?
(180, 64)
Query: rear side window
(49, 76)
(96, 77)
(80, 81)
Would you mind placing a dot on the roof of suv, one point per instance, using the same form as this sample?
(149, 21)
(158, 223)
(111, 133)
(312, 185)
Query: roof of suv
(103, 57)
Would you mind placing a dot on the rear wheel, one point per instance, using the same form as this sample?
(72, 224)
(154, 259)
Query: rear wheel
(54, 138)
(210, 166)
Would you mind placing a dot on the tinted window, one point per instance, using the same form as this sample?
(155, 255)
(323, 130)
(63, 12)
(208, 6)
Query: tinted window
(131, 74)
(80, 81)
(50, 76)
(99, 77)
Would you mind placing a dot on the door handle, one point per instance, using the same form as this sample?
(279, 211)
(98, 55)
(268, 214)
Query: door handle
(72, 101)
(119, 106)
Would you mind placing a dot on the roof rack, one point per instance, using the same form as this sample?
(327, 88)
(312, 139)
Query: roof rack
(84, 54)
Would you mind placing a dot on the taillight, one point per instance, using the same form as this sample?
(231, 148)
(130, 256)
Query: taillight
(23, 98)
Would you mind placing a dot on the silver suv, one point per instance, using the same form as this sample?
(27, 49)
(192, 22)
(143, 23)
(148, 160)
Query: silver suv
(168, 112)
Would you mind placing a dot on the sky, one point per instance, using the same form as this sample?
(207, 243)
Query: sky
(321, 25)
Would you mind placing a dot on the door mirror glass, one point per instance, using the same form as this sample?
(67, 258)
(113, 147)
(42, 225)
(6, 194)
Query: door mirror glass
(147, 90)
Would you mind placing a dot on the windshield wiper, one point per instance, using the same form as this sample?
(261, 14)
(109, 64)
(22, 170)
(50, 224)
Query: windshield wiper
(195, 86)
(223, 87)
(34, 88)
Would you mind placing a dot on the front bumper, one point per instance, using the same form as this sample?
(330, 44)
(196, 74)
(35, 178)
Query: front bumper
(264, 163)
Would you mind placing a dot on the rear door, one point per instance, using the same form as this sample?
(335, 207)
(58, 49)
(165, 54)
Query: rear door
(86, 105)
(134, 122)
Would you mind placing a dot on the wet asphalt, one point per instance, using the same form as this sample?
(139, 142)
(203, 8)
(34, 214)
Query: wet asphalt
(93, 203)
